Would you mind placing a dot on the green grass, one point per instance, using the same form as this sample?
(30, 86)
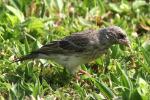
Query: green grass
(122, 73)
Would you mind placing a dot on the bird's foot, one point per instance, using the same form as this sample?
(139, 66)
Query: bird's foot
(82, 72)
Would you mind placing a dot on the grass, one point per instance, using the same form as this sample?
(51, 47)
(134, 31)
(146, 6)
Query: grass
(122, 73)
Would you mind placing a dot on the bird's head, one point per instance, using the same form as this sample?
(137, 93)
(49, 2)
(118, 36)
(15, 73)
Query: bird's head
(115, 35)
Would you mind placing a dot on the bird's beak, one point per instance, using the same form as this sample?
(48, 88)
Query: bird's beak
(125, 42)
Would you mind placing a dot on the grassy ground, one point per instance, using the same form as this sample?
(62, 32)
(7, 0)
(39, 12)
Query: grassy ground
(122, 73)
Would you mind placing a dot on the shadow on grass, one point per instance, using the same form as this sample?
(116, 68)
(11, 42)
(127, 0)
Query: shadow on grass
(56, 79)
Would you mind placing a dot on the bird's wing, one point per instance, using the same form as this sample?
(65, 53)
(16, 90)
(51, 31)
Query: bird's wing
(77, 42)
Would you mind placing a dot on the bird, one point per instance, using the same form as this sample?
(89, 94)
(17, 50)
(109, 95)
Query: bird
(79, 48)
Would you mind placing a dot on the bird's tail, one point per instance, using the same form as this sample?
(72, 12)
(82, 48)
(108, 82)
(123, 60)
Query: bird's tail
(26, 57)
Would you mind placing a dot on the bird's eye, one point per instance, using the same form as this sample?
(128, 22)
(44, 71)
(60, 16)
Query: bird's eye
(121, 36)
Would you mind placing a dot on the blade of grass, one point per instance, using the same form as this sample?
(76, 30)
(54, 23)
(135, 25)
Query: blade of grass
(106, 91)
(16, 12)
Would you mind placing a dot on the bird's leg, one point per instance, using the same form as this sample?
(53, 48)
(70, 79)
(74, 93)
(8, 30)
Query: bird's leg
(41, 75)
(81, 72)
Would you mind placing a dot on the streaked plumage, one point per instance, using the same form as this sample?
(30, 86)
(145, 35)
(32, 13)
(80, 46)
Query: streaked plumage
(79, 48)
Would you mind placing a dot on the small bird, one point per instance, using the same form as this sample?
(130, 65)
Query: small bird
(79, 48)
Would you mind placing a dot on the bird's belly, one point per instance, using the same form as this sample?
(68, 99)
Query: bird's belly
(75, 59)
(72, 61)
(67, 60)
